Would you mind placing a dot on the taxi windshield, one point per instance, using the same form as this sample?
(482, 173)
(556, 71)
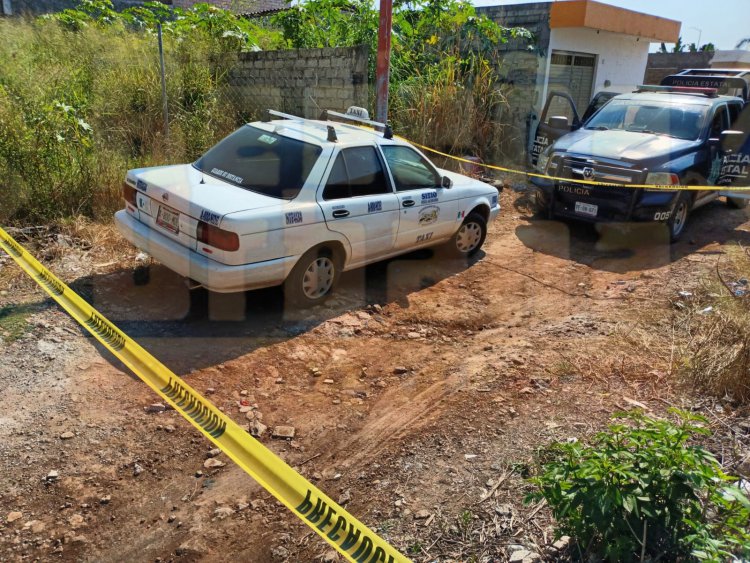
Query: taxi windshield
(261, 161)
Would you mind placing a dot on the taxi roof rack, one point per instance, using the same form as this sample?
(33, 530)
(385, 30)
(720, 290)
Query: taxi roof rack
(356, 114)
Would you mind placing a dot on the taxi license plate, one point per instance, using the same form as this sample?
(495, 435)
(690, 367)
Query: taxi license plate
(169, 219)
(586, 209)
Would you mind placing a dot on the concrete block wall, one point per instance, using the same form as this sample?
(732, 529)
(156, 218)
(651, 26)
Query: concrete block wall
(300, 81)
(237, 6)
(663, 64)
(522, 67)
(35, 7)
(19, 7)
(534, 17)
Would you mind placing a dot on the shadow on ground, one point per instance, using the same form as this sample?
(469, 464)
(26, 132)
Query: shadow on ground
(174, 323)
(626, 247)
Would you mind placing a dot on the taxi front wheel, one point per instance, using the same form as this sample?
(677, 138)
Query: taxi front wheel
(313, 277)
(470, 236)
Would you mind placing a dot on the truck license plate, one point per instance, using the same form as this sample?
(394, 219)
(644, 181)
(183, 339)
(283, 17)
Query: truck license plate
(169, 219)
(586, 209)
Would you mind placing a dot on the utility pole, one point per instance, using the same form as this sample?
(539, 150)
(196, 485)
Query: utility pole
(382, 70)
(165, 109)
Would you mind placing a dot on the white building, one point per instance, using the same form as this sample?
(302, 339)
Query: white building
(580, 47)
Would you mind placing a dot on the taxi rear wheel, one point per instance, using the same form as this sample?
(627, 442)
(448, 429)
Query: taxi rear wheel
(313, 278)
(470, 236)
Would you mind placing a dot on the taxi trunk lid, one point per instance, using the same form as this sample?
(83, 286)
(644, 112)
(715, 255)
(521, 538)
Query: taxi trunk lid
(174, 199)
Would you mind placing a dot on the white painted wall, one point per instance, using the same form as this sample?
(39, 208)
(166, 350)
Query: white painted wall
(621, 59)
(734, 58)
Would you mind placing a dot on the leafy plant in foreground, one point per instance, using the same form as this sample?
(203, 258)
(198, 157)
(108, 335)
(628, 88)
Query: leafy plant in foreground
(640, 491)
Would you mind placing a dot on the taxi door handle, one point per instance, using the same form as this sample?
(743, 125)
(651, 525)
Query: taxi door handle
(339, 213)
(408, 202)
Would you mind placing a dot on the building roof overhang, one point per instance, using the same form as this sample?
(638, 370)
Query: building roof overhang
(599, 16)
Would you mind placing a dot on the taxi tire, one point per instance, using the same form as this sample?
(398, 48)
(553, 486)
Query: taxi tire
(472, 218)
(293, 286)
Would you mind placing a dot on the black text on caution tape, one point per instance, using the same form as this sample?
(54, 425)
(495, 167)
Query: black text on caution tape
(338, 530)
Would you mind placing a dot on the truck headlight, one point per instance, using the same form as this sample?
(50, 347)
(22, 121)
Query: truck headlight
(662, 179)
(545, 163)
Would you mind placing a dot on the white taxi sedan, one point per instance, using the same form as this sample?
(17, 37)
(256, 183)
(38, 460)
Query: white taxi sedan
(296, 202)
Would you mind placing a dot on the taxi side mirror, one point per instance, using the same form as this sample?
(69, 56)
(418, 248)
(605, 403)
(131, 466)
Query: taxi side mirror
(446, 183)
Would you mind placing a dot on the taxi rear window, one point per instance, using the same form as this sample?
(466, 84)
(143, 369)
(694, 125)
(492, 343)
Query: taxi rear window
(260, 161)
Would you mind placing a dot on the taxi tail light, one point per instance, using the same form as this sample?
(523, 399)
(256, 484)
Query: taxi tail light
(218, 238)
(128, 193)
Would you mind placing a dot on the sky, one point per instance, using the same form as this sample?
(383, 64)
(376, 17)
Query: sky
(721, 22)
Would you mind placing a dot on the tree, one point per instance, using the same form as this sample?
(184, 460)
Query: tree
(741, 44)
(679, 47)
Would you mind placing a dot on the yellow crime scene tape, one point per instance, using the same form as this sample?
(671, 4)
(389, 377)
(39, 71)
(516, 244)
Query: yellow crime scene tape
(330, 521)
(671, 188)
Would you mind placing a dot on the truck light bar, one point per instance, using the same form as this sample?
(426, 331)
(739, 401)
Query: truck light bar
(710, 92)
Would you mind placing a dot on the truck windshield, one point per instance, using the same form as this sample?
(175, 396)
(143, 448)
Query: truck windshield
(260, 161)
(674, 120)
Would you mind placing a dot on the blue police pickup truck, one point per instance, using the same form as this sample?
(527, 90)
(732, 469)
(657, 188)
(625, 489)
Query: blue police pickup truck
(658, 135)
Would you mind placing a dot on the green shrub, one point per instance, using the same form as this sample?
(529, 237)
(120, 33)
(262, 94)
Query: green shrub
(641, 490)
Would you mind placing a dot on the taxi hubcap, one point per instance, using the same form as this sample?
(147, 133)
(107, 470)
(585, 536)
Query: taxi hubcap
(318, 278)
(468, 237)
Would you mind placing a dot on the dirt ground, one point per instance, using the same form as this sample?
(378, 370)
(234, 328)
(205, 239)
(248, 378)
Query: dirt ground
(419, 394)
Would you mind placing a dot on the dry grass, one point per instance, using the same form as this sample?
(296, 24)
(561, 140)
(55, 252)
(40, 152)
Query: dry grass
(716, 356)
(452, 108)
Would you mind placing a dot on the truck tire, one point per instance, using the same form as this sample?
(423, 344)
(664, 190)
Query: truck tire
(679, 217)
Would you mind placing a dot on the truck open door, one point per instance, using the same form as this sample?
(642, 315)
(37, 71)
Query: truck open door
(560, 116)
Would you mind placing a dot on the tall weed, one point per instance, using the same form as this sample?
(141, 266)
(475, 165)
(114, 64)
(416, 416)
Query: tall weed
(78, 108)
(452, 105)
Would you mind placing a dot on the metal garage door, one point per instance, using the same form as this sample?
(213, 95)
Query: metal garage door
(572, 73)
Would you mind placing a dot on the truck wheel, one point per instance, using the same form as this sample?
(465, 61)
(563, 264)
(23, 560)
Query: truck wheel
(541, 204)
(313, 277)
(470, 236)
(679, 217)
(737, 202)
